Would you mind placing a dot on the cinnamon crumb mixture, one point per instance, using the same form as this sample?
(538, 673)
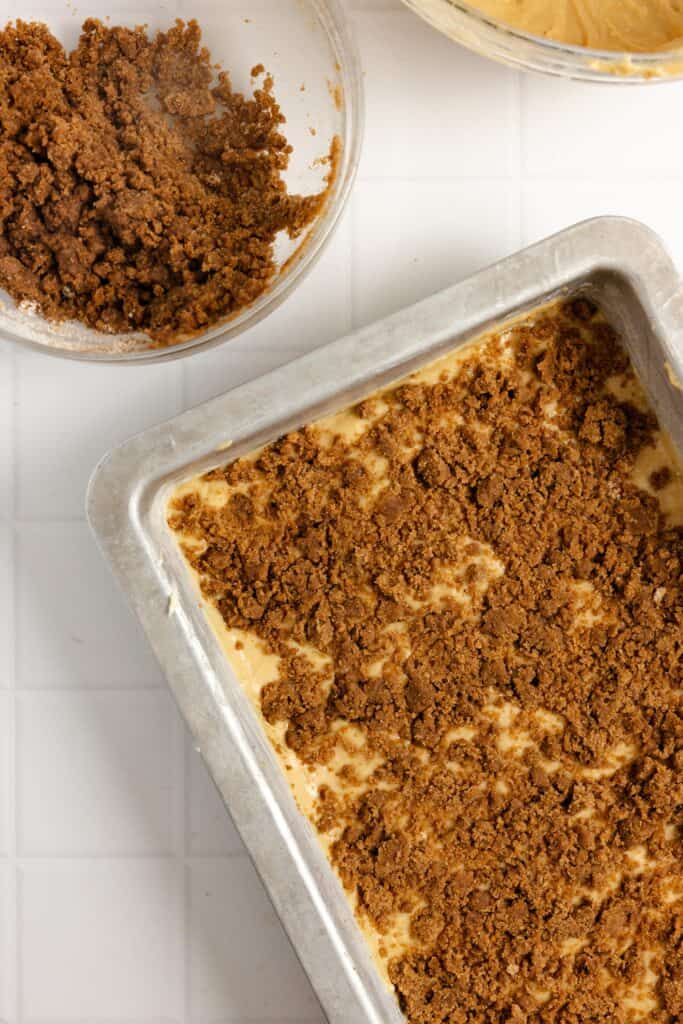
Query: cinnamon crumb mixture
(475, 618)
(138, 190)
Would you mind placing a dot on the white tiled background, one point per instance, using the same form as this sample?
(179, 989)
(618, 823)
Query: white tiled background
(125, 895)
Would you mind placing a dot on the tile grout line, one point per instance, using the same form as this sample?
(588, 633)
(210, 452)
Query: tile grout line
(14, 430)
(117, 855)
(431, 179)
(13, 912)
(92, 688)
(187, 967)
(13, 916)
(639, 178)
(186, 996)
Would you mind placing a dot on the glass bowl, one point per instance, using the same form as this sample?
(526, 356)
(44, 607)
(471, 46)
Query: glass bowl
(308, 47)
(472, 29)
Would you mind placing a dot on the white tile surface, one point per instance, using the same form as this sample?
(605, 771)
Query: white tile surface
(609, 133)
(97, 773)
(69, 414)
(658, 206)
(6, 430)
(136, 903)
(241, 964)
(7, 958)
(6, 606)
(6, 771)
(209, 828)
(73, 627)
(432, 111)
(400, 259)
(101, 940)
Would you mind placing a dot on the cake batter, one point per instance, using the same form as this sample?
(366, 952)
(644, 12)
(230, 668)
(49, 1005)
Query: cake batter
(634, 26)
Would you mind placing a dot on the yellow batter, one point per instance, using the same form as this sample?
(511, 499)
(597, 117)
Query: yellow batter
(633, 26)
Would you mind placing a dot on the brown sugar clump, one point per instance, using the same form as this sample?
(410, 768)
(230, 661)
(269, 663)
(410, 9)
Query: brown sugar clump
(138, 192)
(660, 478)
(496, 610)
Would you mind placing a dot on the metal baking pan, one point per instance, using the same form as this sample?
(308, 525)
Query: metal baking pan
(620, 263)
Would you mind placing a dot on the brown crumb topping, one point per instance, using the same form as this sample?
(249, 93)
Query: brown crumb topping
(501, 612)
(138, 190)
(660, 478)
